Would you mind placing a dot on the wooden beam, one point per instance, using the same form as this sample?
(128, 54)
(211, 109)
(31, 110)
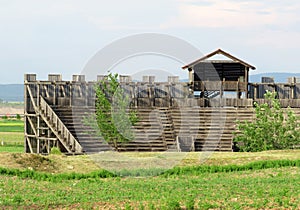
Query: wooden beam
(246, 80)
(32, 126)
(46, 90)
(31, 97)
(63, 90)
(29, 144)
(54, 93)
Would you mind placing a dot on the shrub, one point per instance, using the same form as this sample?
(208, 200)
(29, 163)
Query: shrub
(272, 128)
(18, 117)
(55, 151)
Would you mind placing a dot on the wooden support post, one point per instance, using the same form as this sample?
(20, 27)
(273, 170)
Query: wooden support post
(222, 88)
(151, 94)
(292, 88)
(54, 93)
(246, 81)
(38, 132)
(38, 95)
(86, 94)
(54, 78)
(48, 146)
(133, 98)
(191, 73)
(170, 94)
(25, 114)
(28, 143)
(71, 94)
(237, 88)
(202, 89)
(38, 146)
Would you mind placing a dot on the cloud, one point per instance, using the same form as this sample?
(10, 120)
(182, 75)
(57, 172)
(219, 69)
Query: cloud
(232, 13)
(105, 15)
(275, 39)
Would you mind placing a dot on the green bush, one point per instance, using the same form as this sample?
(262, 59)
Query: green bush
(272, 128)
(55, 151)
(18, 117)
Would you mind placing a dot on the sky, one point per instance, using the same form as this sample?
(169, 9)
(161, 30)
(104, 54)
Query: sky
(61, 36)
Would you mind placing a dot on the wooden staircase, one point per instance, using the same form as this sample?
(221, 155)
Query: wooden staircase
(73, 118)
(211, 94)
(168, 129)
(147, 132)
(211, 129)
(158, 129)
(58, 127)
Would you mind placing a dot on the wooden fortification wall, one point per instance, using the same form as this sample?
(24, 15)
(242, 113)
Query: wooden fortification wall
(169, 117)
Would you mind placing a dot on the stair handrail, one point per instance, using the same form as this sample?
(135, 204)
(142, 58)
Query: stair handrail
(66, 138)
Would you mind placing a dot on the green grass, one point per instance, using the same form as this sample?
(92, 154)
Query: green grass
(11, 125)
(263, 184)
(12, 138)
(11, 135)
(267, 188)
(12, 148)
(11, 128)
(176, 171)
(226, 181)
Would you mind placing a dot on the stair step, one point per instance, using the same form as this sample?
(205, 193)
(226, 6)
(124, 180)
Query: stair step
(167, 123)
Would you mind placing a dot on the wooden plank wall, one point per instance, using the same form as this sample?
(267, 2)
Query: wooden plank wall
(210, 128)
(148, 93)
(288, 90)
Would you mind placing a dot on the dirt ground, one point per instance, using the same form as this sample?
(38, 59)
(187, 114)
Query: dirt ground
(11, 110)
(50, 163)
(87, 163)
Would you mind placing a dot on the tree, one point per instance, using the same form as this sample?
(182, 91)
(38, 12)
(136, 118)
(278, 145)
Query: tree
(113, 119)
(18, 116)
(273, 128)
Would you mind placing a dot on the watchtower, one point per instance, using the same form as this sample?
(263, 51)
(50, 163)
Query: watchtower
(212, 78)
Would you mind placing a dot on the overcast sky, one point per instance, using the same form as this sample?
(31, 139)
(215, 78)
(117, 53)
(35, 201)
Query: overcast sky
(60, 36)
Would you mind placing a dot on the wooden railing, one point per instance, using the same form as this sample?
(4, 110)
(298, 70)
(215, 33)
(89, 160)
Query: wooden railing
(213, 102)
(218, 85)
(58, 128)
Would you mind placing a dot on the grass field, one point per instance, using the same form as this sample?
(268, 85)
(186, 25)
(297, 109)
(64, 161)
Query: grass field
(11, 125)
(263, 180)
(11, 135)
(237, 181)
(12, 148)
(277, 188)
(12, 138)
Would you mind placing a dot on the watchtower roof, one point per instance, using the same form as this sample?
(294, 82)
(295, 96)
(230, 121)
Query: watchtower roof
(222, 52)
